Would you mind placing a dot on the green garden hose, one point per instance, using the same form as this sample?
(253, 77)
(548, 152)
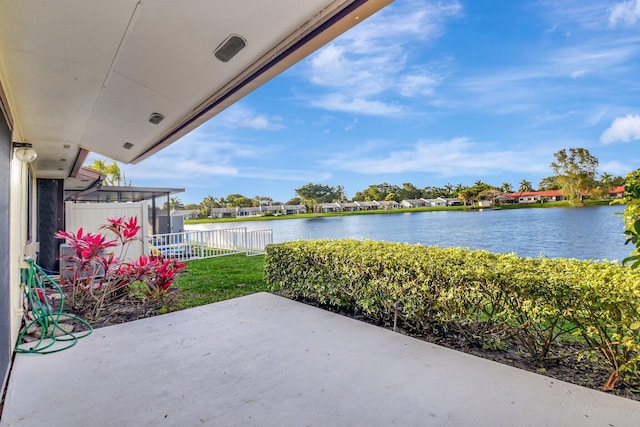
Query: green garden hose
(53, 337)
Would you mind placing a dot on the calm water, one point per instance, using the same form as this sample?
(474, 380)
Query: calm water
(583, 233)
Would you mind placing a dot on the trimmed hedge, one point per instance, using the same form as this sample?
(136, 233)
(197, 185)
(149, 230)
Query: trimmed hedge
(487, 297)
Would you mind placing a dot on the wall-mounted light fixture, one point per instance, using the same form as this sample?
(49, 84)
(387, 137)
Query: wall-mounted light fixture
(24, 152)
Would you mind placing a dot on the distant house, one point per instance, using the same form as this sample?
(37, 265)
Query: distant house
(249, 211)
(484, 203)
(414, 203)
(389, 204)
(369, 206)
(538, 196)
(224, 213)
(617, 192)
(439, 202)
(451, 201)
(274, 209)
(329, 207)
(184, 213)
(295, 209)
(349, 206)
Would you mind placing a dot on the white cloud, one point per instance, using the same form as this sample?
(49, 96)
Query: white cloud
(340, 102)
(616, 168)
(417, 84)
(238, 116)
(627, 13)
(578, 73)
(623, 129)
(456, 157)
(372, 59)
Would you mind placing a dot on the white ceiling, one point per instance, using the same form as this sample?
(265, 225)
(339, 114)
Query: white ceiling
(89, 73)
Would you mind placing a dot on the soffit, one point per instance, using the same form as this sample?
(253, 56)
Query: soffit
(88, 74)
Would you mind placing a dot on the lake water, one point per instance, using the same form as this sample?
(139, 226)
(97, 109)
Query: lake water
(583, 233)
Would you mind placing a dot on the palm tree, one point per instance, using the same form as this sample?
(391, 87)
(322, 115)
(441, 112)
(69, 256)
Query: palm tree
(525, 186)
(207, 204)
(506, 187)
(113, 174)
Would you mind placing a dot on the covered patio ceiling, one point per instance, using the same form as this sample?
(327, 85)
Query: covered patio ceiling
(108, 194)
(125, 79)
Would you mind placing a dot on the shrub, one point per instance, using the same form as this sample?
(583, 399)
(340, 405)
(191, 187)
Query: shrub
(96, 275)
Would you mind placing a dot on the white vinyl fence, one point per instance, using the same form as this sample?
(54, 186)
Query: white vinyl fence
(199, 244)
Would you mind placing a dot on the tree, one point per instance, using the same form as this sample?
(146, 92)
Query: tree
(263, 200)
(495, 196)
(378, 192)
(314, 194)
(549, 183)
(576, 172)
(238, 201)
(506, 187)
(525, 186)
(409, 191)
(207, 204)
(113, 174)
(174, 203)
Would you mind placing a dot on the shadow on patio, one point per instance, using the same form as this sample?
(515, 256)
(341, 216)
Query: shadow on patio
(263, 360)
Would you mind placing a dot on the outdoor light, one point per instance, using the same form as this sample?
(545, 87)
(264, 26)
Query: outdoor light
(24, 152)
(156, 118)
(230, 47)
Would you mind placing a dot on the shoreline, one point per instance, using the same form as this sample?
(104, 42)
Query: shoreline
(563, 204)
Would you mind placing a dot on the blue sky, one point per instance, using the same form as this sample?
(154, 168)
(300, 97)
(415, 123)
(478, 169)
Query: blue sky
(428, 92)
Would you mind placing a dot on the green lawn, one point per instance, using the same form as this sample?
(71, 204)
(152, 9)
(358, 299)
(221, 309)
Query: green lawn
(216, 279)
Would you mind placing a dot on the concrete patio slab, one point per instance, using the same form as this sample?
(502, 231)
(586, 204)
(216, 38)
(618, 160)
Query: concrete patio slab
(263, 360)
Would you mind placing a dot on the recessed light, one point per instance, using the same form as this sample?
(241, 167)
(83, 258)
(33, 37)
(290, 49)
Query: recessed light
(230, 47)
(156, 118)
(127, 145)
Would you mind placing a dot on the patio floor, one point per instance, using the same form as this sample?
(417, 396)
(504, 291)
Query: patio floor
(263, 360)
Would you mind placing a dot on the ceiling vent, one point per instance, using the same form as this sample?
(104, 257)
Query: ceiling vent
(230, 47)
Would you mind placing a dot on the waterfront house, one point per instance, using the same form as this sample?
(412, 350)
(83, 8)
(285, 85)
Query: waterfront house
(349, 206)
(617, 192)
(414, 203)
(274, 209)
(329, 207)
(224, 213)
(451, 201)
(439, 202)
(249, 211)
(389, 204)
(295, 209)
(369, 206)
(538, 196)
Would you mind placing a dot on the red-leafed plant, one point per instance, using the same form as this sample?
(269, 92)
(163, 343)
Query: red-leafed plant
(95, 275)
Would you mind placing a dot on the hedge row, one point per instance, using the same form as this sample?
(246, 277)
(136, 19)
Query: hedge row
(486, 297)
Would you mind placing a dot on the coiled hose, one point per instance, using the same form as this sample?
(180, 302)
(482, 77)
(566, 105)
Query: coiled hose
(53, 337)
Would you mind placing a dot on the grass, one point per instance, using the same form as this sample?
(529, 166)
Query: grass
(216, 279)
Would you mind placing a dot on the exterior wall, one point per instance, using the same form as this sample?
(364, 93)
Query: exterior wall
(90, 216)
(6, 338)
(18, 223)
